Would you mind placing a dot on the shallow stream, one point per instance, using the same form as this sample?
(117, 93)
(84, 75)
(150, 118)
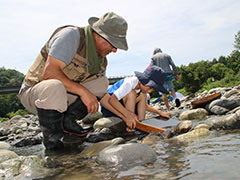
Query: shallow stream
(215, 157)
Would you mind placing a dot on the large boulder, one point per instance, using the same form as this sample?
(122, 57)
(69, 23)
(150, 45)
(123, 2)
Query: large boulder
(222, 106)
(128, 155)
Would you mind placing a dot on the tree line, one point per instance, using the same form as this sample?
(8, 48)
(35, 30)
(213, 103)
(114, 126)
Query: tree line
(194, 78)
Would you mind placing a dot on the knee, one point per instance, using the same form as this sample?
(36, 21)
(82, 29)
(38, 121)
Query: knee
(143, 96)
(132, 94)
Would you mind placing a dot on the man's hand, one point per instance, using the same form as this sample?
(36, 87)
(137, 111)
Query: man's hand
(54, 70)
(90, 101)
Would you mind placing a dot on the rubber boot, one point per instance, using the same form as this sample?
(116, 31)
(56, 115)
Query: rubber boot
(51, 126)
(75, 111)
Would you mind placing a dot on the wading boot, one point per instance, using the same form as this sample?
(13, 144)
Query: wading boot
(75, 111)
(52, 130)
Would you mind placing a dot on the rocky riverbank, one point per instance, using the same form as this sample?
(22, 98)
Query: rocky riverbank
(23, 156)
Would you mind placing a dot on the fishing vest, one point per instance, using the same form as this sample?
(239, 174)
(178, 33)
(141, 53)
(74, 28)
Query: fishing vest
(77, 70)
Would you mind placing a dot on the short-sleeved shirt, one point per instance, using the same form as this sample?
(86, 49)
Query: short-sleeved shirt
(64, 44)
(121, 88)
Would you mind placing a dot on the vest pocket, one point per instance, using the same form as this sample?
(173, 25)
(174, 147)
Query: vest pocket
(77, 70)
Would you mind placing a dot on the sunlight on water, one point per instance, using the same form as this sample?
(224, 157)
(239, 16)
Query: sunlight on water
(213, 157)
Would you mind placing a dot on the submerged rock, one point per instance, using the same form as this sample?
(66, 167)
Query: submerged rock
(94, 149)
(128, 155)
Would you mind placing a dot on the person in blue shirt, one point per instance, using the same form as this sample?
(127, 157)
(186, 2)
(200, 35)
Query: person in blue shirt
(127, 98)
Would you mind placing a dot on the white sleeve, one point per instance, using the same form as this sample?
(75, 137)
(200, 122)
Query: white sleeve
(128, 85)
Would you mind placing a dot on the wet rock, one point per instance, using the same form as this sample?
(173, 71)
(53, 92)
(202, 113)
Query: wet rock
(25, 167)
(128, 155)
(195, 114)
(192, 135)
(151, 139)
(51, 162)
(94, 149)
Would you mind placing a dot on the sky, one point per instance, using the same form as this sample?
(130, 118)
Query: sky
(188, 30)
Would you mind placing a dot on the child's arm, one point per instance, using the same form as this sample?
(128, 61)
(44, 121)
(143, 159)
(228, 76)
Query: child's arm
(105, 103)
(128, 117)
(153, 110)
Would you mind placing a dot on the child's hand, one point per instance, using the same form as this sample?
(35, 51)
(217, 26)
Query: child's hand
(130, 120)
(164, 114)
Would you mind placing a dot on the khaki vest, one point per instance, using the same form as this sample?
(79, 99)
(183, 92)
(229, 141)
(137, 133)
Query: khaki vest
(77, 70)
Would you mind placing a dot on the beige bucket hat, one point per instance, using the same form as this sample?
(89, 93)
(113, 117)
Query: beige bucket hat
(112, 27)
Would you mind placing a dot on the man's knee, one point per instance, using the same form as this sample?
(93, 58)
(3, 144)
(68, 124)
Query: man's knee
(51, 95)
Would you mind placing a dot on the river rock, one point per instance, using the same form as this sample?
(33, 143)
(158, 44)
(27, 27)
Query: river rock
(231, 121)
(183, 127)
(192, 135)
(234, 92)
(25, 167)
(151, 139)
(222, 106)
(128, 155)
(115, 124)
(94, 149)
(194, 114)
(6, 154)
(4, 145)
(202, 126)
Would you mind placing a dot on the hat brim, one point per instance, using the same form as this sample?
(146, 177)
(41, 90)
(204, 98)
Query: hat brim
(148, 82)
(117, 42)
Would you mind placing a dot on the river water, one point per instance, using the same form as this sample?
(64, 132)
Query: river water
(215, 157)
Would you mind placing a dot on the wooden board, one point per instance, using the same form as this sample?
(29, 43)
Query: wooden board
(157, 124)
(202, 102)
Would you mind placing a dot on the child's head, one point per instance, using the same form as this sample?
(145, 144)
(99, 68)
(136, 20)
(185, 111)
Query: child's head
(153, 77)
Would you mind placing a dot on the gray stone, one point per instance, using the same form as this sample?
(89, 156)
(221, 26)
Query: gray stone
(221, 106)
(128, 155)
(94, 149)
(115, 124)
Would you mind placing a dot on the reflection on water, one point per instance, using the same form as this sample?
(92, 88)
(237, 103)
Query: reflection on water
(213, 157)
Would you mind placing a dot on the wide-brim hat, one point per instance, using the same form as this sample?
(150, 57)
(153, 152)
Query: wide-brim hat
(111, 27)
(153, 77)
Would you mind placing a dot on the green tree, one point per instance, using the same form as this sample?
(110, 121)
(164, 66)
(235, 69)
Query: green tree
(9, 102)
(237, 41)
